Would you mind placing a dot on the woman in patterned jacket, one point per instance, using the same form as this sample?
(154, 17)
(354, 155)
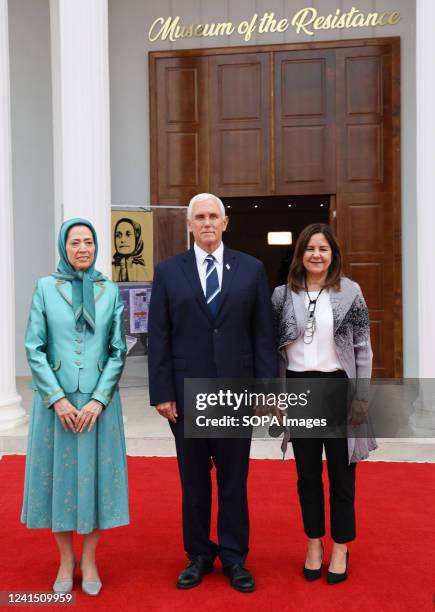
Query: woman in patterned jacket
(323, 333)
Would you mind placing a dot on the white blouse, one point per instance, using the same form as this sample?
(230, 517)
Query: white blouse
(320, 355)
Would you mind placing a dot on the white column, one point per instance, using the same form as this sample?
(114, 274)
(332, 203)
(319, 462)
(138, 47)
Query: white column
(11, 411)
(424, 418)
(80, 62)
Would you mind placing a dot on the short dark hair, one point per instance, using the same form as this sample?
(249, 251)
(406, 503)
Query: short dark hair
(297, 274)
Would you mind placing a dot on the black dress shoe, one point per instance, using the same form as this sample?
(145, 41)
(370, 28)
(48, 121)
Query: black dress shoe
(192, 574)
(333, 578)
(240, 578)
(313, 574)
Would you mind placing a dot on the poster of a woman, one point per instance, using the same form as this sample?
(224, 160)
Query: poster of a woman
(132, 246)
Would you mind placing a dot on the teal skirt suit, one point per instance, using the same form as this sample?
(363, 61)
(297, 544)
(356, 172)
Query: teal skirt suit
(75, 481)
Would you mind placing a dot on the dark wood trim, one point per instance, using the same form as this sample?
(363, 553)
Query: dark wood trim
(153, 128)
(326, 44)
(397, 216)
(272, 183)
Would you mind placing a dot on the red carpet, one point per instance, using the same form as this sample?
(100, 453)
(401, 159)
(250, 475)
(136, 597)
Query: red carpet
(391, 568)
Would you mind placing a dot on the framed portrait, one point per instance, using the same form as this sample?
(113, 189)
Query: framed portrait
(132, 246)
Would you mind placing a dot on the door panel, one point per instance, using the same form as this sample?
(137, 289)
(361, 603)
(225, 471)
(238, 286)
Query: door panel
(364, 195)
(364, 119)
(304, 122)
(240, 124)
(182, 134)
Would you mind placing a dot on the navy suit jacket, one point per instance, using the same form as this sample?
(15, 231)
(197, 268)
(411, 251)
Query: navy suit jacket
(185, 341)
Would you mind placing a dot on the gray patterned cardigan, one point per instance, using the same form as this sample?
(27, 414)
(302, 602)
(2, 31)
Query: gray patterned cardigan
(352, 343)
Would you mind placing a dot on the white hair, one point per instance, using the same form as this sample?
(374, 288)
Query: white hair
(204, 196)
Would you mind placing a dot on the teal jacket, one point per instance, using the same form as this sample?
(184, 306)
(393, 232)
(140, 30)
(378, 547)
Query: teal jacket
(63, 359)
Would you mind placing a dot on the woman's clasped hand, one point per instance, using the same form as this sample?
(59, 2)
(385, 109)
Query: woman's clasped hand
(77, 420)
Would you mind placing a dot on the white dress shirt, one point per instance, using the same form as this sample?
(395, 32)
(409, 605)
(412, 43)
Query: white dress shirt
(320, 355)
(200, 256)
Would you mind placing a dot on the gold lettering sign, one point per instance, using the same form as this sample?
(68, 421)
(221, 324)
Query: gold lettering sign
(305, 21)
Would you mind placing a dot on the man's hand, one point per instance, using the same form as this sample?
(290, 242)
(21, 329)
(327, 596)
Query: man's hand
(88, 415)
(168, 410)
(67, 413)
(279, 414)
(261, 409)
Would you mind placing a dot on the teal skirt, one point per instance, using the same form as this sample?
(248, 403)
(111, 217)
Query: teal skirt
(76, 481)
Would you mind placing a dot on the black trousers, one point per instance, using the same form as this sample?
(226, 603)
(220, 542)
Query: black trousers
(308, 457)
(195, 461)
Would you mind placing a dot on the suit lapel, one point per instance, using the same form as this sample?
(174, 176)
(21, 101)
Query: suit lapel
(190, 269)
(99, 289)
(337, 313)
(229, 269)
(301, 311)
(64, 288)
(341, 301)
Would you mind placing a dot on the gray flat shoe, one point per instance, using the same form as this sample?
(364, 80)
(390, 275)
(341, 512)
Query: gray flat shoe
(63, 586)
(91, 587)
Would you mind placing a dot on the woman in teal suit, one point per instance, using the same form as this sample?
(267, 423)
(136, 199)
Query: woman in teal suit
(76, 470)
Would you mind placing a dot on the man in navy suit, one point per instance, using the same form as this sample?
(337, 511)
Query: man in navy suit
(210, 317)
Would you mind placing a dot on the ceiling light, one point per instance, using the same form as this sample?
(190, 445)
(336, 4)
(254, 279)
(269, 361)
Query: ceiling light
(279, 238)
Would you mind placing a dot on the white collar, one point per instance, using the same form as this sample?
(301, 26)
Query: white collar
(200, 254)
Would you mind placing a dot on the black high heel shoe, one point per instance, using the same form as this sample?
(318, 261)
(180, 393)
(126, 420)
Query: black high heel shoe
(333, 578)
(314, 574)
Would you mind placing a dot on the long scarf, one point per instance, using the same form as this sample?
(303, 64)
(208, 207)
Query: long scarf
(83, 299)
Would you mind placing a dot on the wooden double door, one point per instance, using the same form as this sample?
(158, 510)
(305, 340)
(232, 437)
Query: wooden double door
(303, 119)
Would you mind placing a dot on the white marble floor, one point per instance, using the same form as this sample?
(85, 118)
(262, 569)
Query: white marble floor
(148, 434)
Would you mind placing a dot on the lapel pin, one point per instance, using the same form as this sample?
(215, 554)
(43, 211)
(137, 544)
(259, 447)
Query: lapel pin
(228, 266)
